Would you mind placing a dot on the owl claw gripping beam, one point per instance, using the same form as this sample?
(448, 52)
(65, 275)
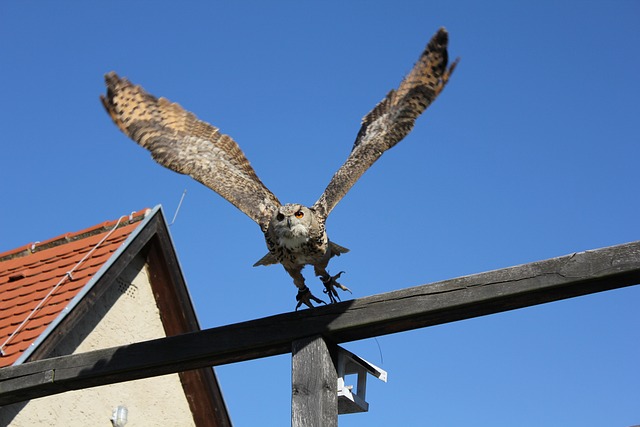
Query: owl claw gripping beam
(330, 285)
(295, 234)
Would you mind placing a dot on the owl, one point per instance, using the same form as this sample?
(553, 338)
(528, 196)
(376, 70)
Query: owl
(295, 234)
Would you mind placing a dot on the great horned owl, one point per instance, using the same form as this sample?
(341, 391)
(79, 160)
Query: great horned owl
(295, 234)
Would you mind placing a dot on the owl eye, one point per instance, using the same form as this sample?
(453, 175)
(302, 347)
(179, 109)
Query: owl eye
(279, 217)
(299, 214)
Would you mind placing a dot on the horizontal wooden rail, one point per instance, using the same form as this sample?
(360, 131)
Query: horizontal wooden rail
(447, 301)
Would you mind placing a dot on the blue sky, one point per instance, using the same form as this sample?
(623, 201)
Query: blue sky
(531, 152)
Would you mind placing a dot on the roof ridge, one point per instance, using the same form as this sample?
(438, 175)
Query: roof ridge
(63, 239)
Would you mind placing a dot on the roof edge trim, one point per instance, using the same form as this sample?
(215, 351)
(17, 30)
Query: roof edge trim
(181, 271)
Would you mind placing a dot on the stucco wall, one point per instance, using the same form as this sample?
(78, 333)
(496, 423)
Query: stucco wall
(126, 313)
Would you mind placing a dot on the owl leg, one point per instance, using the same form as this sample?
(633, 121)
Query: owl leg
(330, 283)
(304, 295)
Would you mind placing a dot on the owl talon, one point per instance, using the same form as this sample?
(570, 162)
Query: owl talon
(305, 297)
(330, 284)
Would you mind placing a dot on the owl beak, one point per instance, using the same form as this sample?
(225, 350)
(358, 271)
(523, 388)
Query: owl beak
(289, 222)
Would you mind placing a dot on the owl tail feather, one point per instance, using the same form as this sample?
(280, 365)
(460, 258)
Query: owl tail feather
(268, 259)
(337, 250)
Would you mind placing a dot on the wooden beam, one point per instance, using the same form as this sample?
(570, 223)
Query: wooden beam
(447, 301)
(314, 384)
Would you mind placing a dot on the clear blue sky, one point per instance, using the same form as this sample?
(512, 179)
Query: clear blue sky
(531, 152)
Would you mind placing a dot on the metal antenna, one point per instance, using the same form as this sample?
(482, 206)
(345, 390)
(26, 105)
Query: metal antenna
(184, 193)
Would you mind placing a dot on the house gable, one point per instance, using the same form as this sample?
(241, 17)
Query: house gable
(137, 293)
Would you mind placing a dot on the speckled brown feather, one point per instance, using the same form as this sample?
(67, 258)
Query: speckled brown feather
(181, 142)
(392, 119)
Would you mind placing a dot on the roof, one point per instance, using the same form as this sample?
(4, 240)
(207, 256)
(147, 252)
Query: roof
(39, 280)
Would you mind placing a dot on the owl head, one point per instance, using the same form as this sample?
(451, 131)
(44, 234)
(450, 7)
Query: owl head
(291, 224)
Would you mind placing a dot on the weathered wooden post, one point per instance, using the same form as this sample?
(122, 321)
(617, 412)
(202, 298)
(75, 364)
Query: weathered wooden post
(314, 382)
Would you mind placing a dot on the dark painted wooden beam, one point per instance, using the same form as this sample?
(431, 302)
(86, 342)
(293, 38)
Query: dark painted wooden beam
(447, 301)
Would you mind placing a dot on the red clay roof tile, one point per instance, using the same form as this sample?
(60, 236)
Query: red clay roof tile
(35, 286)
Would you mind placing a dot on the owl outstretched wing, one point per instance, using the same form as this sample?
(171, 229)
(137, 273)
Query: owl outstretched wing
(181, 142)
(392, 119)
